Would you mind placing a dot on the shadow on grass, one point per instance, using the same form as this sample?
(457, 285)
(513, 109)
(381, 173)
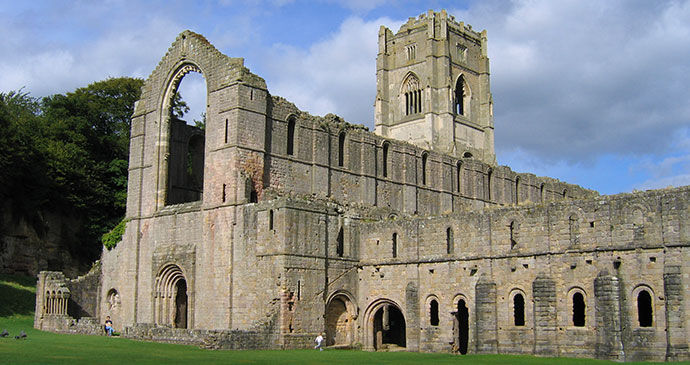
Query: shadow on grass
(18, 295)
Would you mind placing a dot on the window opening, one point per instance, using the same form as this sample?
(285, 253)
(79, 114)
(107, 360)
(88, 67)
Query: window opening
(519, 310)
(517, 190)
(573, 229)
(395, 245)
(385, 159)
(490, 177)
(460, 96)
(644, 309)
(341, 244)
(341, 149)
(449, 240)
(578, 310)
(424, 160)
(459, 177)
(270, 219)
(413, 96)
(226, 130)
(513, 242)
(433, 312)
(462, 318)
(291, 137)
(223, 197)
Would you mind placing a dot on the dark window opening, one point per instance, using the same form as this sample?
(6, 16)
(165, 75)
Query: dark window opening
(578, 310)
(489, 181)
(460, 96)
(513, 242)
(644, 309)
(517, 190)
(467, 155)
(458, 177)
(291, 137)
(226, 130)
(253, 197)
(541, 193)
(385, 160)
(270, 219)
(519, 310)
(181, 304)
(341, 149)
(223, 195)
(395, 245)
(462, 318)
(341, 244)
(449, 240)
(433, 312)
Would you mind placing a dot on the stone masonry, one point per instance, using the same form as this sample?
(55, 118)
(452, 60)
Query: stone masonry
(271, 225)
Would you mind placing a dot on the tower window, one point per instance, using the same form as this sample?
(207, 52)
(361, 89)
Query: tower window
(460, 96)
(270, 219)
(413, 95)
(513, 235)
(341, 243)
(461, 52)
(459, 177)
(517, 190)
(411, 52)
(291, 137)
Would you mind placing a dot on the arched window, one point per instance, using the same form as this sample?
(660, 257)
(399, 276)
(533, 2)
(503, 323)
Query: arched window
(386, 146)
(433, 312)
(579, 307)
(489, 178)
(395, 245)
(517, 189)
(458, 178)
(541, 192)
(513, 234)
(518, 310)
(413, 95)
(341, 243)
(565, 193)
(644, 309)
(460, 96)
(291, 137)
(425, 157)
(449, 240)
(341, 149)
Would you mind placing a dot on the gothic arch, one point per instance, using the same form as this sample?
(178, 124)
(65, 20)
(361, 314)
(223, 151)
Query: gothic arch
(462, 96)
(411, 97)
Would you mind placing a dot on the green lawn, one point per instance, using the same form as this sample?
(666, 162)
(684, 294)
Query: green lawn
(16, 307)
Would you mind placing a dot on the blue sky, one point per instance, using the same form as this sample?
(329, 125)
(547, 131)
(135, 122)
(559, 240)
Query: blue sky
(591, 92)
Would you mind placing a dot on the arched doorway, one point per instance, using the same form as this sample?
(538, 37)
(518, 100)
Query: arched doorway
(462, 317)
(171, 303)
(388, 327)
(340, 317)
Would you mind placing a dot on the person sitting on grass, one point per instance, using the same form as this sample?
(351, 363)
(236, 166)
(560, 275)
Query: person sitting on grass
(108, 326)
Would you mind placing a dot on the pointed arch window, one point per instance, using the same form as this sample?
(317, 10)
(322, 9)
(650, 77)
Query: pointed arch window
(458, 177)
(413, 95)
(460, 96)
(341, 149)
(425, 157)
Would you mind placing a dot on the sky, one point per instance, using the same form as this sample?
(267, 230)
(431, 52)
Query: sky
(591, 92)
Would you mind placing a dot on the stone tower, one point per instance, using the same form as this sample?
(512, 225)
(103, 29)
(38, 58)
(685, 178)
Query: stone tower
(433, 87)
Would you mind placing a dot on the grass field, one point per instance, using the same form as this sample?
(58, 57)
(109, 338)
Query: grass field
(16, 314)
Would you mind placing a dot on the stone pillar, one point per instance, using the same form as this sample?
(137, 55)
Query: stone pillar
(545, 317)
(608, 317)
(676, 342)
(485, 309)
(412, 320)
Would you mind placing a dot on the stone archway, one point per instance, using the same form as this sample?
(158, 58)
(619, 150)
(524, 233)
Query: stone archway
(462, 320)
(340, 320)
(386, 327)
(171, 298)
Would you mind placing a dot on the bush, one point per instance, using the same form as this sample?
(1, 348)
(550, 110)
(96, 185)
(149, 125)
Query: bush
(112, 238)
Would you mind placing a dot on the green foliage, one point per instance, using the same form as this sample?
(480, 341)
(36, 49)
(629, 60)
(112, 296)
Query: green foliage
(112, 238)
(69, 154)
(179, 107)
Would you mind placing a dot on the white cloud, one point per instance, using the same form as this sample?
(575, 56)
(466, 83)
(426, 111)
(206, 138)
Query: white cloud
(336, 75)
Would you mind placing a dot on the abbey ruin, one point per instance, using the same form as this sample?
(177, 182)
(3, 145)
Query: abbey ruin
(271, 225)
